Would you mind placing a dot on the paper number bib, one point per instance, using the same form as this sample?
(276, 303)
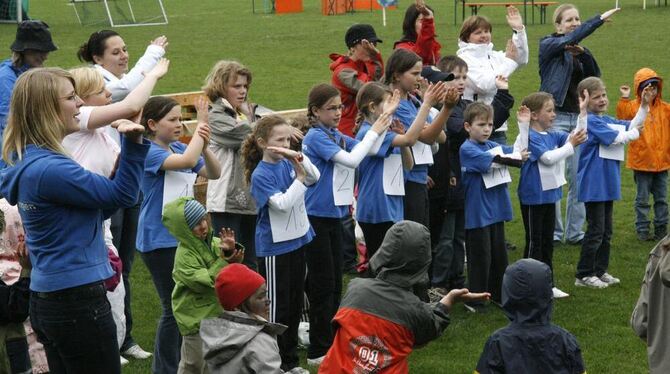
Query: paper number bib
(552, 176)
(423, 155)
(177, 184)
(289, 225)
(496, 176)
(343, 185)
(393, 177)
(613, 151)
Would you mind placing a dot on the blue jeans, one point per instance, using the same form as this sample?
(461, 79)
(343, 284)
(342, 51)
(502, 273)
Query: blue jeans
(449, 256)
(77, 330)
(167, 344)
(575, 212)
(655, 184)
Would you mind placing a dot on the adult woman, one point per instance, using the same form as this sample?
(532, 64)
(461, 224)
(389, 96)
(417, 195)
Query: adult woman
(109, 54)
(418, 33)
(29, 50)
(62, 207)
(563, 64)
(485, 64)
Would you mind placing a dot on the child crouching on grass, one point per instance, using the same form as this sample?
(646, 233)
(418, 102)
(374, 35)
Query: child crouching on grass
(199, 258)
(599, 177)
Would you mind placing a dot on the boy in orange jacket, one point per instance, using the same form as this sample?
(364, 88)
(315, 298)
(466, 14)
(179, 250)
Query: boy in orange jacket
(649, 156)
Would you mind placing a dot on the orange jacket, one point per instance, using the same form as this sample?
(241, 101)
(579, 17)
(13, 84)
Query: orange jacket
(651, 152)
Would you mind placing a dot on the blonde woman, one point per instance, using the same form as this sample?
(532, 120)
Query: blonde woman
(63, 206)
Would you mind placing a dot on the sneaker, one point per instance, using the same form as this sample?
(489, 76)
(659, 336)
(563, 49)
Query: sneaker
(644, 236)
(558, 294)
(660, 233)
(609, 279)
(591, 282)
(315, 361)
(436, 294)
(123, 361)
(136, 352)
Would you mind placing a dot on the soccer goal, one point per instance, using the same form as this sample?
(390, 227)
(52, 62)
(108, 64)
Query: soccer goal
(13, 11)
(120, 13)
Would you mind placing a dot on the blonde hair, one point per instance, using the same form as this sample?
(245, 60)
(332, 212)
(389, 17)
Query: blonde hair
(34, 113)
(535, 101)
(89, 81)
(218, 78)
(591, 84)
(558, 13)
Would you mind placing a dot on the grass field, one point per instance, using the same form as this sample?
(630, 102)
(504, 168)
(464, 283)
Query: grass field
(289, 53)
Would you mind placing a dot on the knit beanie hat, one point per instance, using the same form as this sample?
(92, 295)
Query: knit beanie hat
(194, 213)
(236, 283)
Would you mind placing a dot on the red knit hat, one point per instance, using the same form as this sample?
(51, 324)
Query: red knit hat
(236, 283)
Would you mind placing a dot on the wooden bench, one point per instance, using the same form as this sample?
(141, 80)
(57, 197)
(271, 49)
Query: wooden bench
(475, 6)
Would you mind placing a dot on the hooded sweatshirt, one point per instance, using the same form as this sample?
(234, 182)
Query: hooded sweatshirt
(530, 343)
(348, 77)
(196, 265)
(650, 319)
(380, 320)
(651, 151)
(63, 206)
(238, 343)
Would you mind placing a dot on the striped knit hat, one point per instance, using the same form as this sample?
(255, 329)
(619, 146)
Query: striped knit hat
(194, 212)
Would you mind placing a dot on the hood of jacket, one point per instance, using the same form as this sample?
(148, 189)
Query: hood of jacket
(404, 256)
(175, 221)
(225, 336)
(526, 292)
(476, 50)
(645, 74)
(338, 60)
(10, 176)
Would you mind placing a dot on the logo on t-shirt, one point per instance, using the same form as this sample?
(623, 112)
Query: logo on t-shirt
(370, 354)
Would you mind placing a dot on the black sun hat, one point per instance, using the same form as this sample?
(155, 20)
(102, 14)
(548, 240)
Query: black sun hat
(33, 35)
(434, 75)
(358, 32)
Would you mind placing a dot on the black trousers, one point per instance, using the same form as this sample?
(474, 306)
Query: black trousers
(324, 282)
(595, 255)
(539, 221)
(487, 259)
(416, 203)
(374, 236)
(285, 277)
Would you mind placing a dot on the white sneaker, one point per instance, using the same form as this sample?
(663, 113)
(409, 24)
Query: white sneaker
(123, 361)
(315, 361)
(558, 294)
(609, 279)
(136, 352)
(591, 282)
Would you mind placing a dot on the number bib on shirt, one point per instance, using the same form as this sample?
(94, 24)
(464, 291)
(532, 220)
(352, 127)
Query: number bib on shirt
(423, 155)
(289, 225)
(177, 184)
(613, 151)
(393, 178)
(343, 185)
(496, 176)
(552, 176)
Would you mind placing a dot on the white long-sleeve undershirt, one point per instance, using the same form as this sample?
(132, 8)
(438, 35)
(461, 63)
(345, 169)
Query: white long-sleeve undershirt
(360, 150)
(296, 191)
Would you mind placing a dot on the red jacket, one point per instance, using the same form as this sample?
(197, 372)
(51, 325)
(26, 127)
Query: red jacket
(425, 45)
(348, 77)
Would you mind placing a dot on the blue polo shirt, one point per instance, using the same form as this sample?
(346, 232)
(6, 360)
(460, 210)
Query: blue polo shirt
(530, 185)
(406, 113)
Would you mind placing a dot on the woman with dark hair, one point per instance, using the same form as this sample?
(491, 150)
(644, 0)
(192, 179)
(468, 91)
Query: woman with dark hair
(418, 33)
(563, 64)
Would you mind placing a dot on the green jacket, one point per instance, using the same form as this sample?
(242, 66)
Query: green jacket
(196, 265)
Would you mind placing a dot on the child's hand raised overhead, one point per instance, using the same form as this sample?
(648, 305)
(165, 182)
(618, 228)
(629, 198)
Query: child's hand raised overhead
(514, 19)
(397, 127)
(227, 237)
(502, 82)
(584, 102)
(392, 102)
(451, 98)
(161, 41)
(647, 96)
(435, 93)
(203, 130)
(160, 69)
(523, 114)
(463, 295)
(382, 123)
(423, 9)
(131, 130)
(577, 137)
(369, 48)
(625, 91)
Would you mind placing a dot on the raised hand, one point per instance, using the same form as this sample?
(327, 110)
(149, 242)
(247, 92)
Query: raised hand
(369, 48)
(605, 16)
(397, 127)
(227, 237)
(514, 19)
(296, 135)
(421, 86)
(202, 109)
(435, 93)
(584, 102)
(625, 91)
(131, 130)
(160, 41)
(423, 9)
(511, 51)
(647, 96)
(577, 137)
(523, 114)
(382, 123)
(204, 131)
(392, 102)
(502, 83)
(451, 98)
(160, 69)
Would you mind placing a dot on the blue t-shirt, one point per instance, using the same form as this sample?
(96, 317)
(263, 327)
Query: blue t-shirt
(483, 206)
(406, 113)
(320, 145)
(268, 180)
(599, 179)
(530, 185)
(151, 234)
(8, 76)
(374, 206)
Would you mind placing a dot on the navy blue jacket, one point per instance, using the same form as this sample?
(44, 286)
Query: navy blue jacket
(62, 207)
(556, 62)
(530, 343)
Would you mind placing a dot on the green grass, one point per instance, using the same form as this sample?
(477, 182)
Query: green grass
(289, 53)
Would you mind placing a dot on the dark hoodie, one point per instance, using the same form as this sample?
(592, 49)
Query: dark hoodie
(380, 320)
(530, 343)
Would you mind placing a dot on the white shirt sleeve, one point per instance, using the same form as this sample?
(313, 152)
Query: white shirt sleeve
(285, 201)
(84, 116)
(360, 150)
(626, 136)
(312, 172)
(639, 118)
(558, 154)
(520, 40)
(120, 88)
